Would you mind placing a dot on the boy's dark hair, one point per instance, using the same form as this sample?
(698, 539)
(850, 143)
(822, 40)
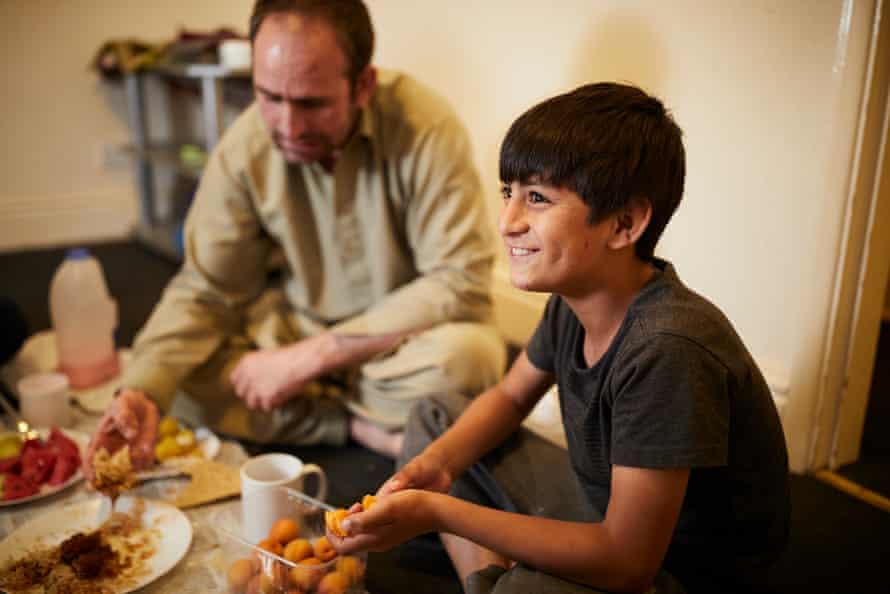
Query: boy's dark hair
(609, 143)
(349, 18)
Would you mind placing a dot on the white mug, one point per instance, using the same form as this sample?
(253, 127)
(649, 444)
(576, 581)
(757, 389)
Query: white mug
(263, 501)
(44, 399)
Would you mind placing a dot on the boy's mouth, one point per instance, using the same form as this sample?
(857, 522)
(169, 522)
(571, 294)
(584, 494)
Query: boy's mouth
(518, 251)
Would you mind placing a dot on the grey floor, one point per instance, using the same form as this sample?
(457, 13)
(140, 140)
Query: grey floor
(839, 545)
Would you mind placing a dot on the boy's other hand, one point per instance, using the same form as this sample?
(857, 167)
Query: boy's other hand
(392, 521)
(132, 419)
(426, 471)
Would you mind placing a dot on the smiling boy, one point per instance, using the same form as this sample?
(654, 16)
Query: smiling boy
(676, 475)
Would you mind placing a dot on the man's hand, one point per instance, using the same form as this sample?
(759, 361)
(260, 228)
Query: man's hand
(268, 378)
(426, 471)
(391, 521)
(131, 419)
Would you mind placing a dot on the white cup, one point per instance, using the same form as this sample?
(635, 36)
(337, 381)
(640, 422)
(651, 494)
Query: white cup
(263, 501)
(45, 399)
(234, 53)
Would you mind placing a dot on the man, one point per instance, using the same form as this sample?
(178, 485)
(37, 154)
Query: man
(363, 187)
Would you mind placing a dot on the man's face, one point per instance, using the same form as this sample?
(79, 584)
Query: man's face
(302, 89)
(550, 245)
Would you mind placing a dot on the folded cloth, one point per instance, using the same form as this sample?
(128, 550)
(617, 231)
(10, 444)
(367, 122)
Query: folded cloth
(117, 57)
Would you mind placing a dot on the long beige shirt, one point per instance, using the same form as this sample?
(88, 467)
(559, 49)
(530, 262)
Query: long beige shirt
(395, 238)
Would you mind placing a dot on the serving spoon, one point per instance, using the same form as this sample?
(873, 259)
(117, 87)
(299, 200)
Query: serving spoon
(24, 429)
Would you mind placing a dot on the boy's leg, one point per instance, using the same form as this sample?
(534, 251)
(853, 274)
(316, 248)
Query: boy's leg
(521, 580)
(527, 475)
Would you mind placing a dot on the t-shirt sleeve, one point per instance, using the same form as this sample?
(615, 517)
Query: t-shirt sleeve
(541, 349)
(670, 405)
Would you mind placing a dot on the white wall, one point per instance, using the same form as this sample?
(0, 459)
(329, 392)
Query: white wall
(58, 115)
(767, 93)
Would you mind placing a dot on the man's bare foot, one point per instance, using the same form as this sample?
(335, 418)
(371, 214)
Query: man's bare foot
(376, 439)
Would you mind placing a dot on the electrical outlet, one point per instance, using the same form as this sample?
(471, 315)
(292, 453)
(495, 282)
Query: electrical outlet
(114, 157)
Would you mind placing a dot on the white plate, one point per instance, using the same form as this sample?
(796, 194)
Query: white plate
(173, 529)
(81, 439)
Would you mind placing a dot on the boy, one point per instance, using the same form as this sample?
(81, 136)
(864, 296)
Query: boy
(672, 433)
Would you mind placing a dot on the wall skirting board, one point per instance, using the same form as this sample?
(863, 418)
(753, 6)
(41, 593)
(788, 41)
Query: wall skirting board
(43, 221)
(517, 314)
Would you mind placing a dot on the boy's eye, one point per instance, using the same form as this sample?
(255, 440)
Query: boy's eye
(506, 192)
(537, 198)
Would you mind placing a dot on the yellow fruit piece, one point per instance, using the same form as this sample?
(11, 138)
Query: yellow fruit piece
(297, 550)
(168, 427)
(333, 583)
(167, 448)
(368, 501)
(352, 568)
(239, 574)
(332, 521)
(186, 441)
(284, 531)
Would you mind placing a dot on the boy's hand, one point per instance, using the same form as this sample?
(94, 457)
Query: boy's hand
(393, 520)
(427, 471)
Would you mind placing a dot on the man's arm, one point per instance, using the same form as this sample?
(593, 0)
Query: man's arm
(267, 378)
(223, 271)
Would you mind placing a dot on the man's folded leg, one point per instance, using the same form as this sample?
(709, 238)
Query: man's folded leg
(207, 398)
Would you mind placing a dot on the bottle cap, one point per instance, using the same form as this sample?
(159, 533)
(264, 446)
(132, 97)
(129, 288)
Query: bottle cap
(78, 253)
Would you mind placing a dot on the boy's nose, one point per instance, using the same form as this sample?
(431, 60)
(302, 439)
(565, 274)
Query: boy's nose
(512, 218)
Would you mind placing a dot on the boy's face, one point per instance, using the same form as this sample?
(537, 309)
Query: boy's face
(550, 245)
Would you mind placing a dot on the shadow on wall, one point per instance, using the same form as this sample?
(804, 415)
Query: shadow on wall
(623, 47)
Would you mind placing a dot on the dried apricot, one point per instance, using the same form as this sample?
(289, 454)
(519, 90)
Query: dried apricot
(284, 530)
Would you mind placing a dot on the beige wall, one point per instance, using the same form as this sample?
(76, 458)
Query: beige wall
(767, 93)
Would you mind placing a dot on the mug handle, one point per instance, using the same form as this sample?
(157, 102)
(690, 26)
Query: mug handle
(322, 479)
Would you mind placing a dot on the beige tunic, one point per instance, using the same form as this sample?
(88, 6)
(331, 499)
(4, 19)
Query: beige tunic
(396, 237)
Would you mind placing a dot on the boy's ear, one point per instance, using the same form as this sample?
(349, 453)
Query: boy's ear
(630, 224)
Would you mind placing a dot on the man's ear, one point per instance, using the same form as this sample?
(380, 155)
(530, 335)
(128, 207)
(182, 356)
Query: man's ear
(630, 223)
(365, 85)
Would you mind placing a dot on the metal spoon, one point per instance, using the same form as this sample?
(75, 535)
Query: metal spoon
(22, 426)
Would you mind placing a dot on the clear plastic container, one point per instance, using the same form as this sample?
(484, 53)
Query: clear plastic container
(84, 318)
(302, 564)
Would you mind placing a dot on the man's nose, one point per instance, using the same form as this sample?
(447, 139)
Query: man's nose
(292, 123)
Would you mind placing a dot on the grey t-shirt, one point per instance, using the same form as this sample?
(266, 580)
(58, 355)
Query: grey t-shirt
(677, 389)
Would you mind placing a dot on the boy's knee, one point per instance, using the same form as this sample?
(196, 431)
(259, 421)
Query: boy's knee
(429, 418)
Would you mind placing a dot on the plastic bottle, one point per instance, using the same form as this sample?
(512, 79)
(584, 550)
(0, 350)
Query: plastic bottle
(84, 318)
